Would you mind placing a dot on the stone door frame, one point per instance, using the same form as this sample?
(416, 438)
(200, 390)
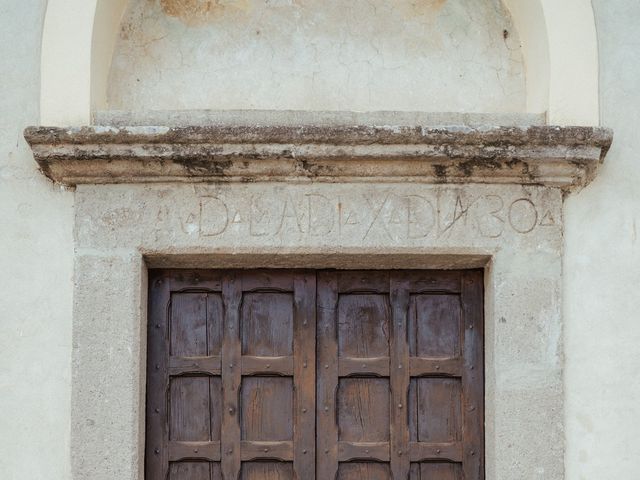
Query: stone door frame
(320, 193)
(523, 328)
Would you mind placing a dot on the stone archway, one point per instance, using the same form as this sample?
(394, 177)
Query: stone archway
(320, 196)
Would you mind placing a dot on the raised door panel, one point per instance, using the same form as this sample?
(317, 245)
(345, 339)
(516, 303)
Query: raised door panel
(267, 324)
(363, 326)
(434, 325)
(267, 409)
(266, 470)
(436, 471)
(195, 471)
(363, 409)
(361, 470)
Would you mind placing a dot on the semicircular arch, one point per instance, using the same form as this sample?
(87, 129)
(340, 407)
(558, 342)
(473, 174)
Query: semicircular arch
(559, 43)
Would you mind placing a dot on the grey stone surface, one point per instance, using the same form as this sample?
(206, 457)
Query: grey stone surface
(515, 232)
(199, 217)
(296, 118)
(565, 157)
(109, 361)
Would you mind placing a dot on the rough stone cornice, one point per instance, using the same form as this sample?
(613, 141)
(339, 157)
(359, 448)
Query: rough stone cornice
(564, 157)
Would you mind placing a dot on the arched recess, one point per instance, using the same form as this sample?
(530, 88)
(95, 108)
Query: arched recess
(560, 49)
(77, 45)
(559, 44)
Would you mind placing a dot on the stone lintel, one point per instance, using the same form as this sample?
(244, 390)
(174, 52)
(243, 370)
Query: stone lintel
(564, 157)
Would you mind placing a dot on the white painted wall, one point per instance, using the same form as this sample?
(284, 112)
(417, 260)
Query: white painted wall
(602, 271)
(35, 270)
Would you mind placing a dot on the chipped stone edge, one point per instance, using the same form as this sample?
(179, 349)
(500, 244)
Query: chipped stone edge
(563, 157)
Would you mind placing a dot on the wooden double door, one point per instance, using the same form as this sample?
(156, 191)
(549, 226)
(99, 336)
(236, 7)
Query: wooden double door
(273, 374)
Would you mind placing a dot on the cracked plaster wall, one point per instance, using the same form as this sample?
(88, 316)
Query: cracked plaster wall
(36, 270)
(602, 265)
(431, 55)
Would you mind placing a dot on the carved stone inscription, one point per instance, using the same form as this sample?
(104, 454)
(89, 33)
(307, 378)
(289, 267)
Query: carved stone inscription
(390, 215)
(235, 216)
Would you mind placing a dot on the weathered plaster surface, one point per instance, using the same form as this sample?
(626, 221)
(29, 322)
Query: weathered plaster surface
(515, 231)
(432, 55)
(36, 268)
(603, 273)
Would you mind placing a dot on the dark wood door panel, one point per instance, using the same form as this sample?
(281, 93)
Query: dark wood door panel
(243, 384)
(231, 384)
(400, 385)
